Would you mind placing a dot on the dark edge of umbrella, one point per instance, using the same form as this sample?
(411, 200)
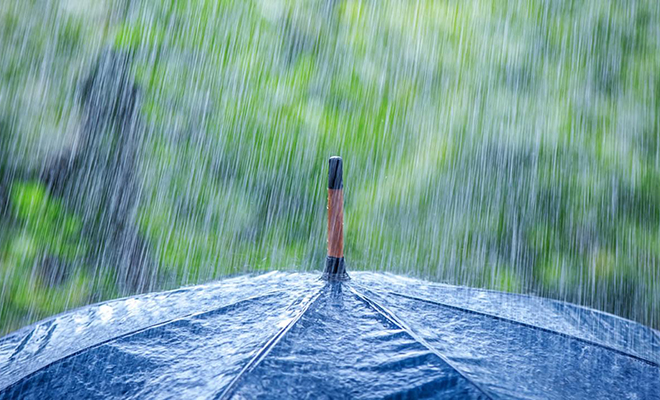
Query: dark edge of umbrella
(538, 328)
(390, 316)
(263, 352)
(137, 331)
(335, 265)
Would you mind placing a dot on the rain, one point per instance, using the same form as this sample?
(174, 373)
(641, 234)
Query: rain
(504, 145)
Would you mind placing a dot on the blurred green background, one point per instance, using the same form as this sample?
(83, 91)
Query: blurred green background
(146, 145)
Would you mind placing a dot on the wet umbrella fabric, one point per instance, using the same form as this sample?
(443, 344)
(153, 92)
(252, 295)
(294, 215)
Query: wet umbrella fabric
(289, 335)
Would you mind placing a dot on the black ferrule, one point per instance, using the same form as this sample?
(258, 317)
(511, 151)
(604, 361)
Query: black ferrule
(335, 269)
(335, 179)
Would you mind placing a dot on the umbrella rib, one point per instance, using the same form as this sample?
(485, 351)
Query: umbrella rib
(136, 331)
(263, 352)
(390, 316)
(513, 321)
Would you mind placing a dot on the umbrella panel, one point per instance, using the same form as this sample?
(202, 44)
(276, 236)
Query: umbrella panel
(565, 318)
(343, 348)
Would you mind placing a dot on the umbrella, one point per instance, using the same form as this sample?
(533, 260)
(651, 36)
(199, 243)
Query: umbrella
(293, 335)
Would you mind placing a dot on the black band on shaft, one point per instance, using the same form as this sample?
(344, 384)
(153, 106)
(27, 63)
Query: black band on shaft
(335, 179)
(335, 269)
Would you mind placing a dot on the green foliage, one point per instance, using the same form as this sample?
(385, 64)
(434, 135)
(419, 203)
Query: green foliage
(132, 37)
(46, 222)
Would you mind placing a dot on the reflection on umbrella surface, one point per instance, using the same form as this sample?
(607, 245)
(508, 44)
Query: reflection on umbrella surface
(290, 335)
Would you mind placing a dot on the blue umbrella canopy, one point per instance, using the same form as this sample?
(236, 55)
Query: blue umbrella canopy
(291, 335)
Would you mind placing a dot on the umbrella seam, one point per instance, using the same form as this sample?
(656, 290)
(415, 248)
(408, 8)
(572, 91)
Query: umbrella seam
(263, 352)
(513, 321)
(135, 332)
(547, 300)
(150, 295)
(390, 316)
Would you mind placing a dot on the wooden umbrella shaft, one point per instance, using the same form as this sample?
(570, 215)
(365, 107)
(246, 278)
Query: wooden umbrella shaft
(336, 223)
(335, 266)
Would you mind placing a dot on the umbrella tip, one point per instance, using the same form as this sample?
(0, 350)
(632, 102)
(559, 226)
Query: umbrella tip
(335, 265)
(335, 173)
